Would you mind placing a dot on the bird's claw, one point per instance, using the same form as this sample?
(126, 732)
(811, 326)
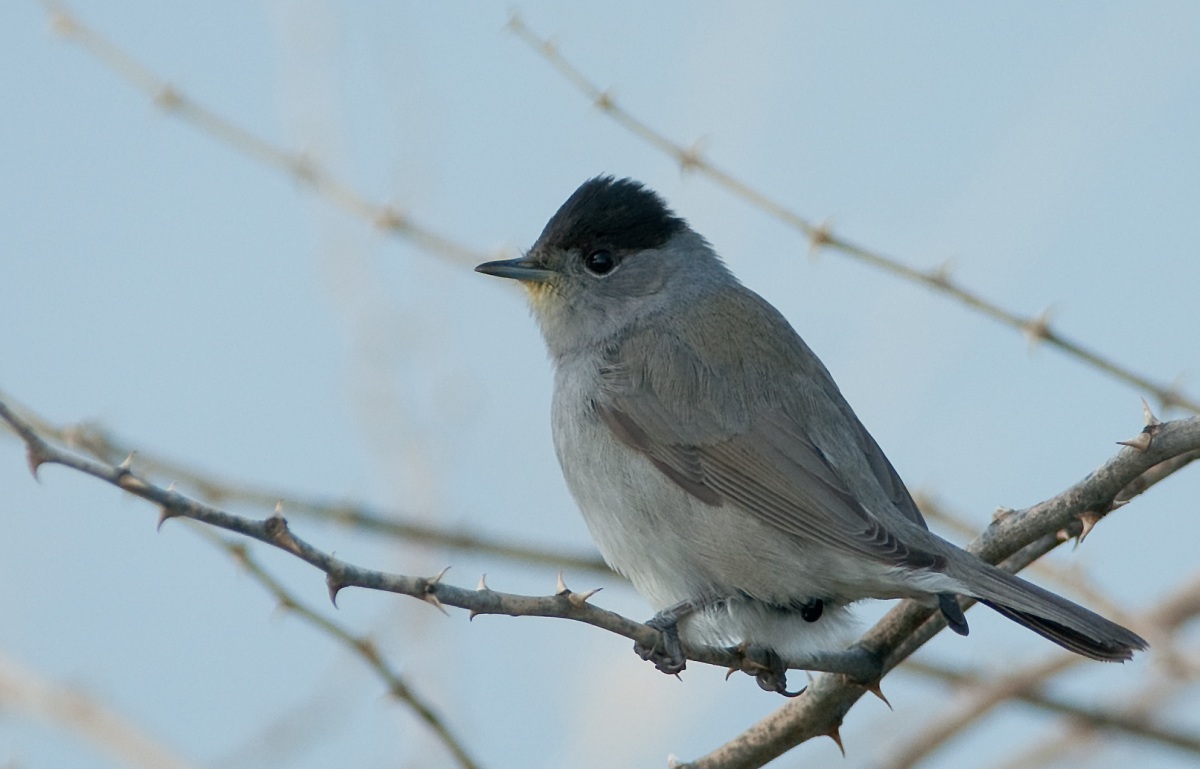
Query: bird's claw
(667, 655)
(767, 667)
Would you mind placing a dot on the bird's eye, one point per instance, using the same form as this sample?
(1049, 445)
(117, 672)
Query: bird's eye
(599, 262)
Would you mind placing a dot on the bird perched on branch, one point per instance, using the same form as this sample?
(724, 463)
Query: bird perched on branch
(717, 464)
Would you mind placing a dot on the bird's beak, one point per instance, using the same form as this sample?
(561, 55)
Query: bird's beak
(523, 269)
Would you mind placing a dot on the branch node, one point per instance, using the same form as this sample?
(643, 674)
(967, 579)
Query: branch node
(691, 158)
(429, 590)
(1037, 328)
(168, 98)
(1001, 513)
(391, 219)
(819, 237)
(940, 275)
(1142, 441)
(63, 24)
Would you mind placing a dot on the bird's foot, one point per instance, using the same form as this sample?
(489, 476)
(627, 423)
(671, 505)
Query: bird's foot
(767, 667)
(667, 655)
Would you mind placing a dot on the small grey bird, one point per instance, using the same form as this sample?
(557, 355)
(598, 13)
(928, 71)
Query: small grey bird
(719, 468)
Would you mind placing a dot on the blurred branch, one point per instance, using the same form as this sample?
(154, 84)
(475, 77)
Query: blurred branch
(23, 692)
(1012, 540)
(985, 693)
(938, 279)
(302, 168)
(363, 647)
(100, 444)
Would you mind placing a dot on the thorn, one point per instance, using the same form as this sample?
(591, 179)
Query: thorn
(482, 583)
(1037, 328)
(278, 511)
(1062, 535)
(1002, 512)
(691, 157)
(1088, 520)
(579, 600)
(335, 586)
(818, 238)
(391, 220)
(1148, 415)
(63, 24)
(36, 458)
(168, 98)
(673, 761)
(835, 735)
(1140, 443)
(1117, 504)
(730, 672)
(437, 578)
(430, 597)
(878, 692)
(940, 275)
(164, 514)
(561, 588)
(126, 463)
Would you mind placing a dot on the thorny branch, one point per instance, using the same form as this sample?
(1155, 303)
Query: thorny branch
(938, 279)
(387, 218)
(102, 445)
(363, 647)
(1013, 540)
(301, 167)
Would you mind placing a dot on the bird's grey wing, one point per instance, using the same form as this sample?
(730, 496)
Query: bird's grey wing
(772, 470)
(889, 480)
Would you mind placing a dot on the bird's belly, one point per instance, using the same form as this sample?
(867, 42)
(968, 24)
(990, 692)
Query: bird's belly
(675, 547)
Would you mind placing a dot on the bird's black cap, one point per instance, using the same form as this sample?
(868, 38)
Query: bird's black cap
(618, 214)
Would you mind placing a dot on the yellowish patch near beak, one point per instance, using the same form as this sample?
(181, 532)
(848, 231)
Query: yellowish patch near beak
(539, 293)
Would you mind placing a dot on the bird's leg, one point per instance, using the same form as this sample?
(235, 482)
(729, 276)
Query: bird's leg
(667, 654)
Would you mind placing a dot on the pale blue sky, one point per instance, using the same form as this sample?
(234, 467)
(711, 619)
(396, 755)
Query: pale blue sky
(208, 308)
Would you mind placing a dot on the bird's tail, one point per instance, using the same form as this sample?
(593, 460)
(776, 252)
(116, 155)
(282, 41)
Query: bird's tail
(1065, 623)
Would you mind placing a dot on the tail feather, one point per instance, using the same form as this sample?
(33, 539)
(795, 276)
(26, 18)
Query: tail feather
(1053, 617)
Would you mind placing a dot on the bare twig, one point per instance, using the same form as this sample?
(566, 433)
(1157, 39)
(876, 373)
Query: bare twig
(304, 169)
(1012, 540)
(1035, 327)
(23, 692)
(100, 444)
(363, 647)
(1025, 686)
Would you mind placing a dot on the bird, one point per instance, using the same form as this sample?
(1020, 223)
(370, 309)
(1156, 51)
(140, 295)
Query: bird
(718, 466)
